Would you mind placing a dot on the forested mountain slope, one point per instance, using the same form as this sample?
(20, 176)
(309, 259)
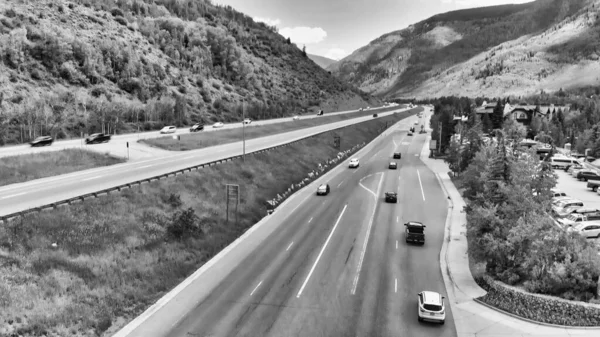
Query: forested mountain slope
(68, 67)
(489, 51)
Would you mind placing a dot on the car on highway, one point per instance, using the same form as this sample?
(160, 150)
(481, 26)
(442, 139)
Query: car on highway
(323, 189)
(397, 155)
(431, 307)
(586, 175)
(217, 125)
(415, 232)
(295, 118)
(410, 132)
(168, 129)
(417, 123)
(96, 138)
(374, 115)
(354, 163)
(42, 141)
(320, 113)
(587, 229)
(197, 127)
(391, 197)
(393, 165)
(247, 121)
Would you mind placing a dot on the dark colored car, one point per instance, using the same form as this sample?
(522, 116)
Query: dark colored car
(397, 155)
(374, 115)
(391, 197)
(96, 138)
(415, 232)
(320, 113)
(393, 165)
(42, 141)
(197, 127)
(586, 175)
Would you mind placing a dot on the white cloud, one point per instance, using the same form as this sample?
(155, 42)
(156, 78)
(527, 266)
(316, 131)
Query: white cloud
(482, 3)
(304, 35)
(336, 54)
(269, 22)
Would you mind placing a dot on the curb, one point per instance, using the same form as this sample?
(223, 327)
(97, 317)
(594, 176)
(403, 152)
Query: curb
(137, 321)
(566, 327)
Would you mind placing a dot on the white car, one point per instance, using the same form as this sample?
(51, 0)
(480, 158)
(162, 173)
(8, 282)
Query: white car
(353, 163)
(247, 121)
(218, 125)
(587, 229)
(431, 307)
(168, 129)
(295, 118)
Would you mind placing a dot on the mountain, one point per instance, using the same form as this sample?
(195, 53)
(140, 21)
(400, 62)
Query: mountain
(489, 51)
(322, 61)
(81, 66)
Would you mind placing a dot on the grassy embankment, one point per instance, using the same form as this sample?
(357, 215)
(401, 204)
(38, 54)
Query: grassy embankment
(117, 254)
(17, 169)
(206, 139)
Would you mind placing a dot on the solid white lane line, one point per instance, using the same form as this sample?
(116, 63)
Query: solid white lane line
(321, 253)
(364, 249)
(396, 285)
(13, 195)
(258, 285)
(340, 184)
(309, 220)
(141, 167)
(422, 192)
(396, 244)
(92, 178)
(290, 246)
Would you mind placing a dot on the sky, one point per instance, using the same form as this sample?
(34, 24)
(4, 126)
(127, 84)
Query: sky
(335, 28)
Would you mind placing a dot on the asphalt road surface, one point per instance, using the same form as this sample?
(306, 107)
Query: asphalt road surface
(35, 193)
(138, 151)
(337, 265)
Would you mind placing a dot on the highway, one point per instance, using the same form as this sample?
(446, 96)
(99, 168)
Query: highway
(118, 144)
(35, 193)
(334, 265)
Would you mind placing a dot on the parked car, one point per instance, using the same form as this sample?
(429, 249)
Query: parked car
(566, 211)
(217, 125)
(168, 129)
(431, 307)
(391, 197)
(415, 232)
(576, 217)
(397, 155)
(42, 141)
(588, 229)
(561, 207)
(587, 174)
(197, 127)
(353, 163)
(323, 189)
(576, 171)
(96, 138)
(247, 121)
(558, 200)
(570, 168)
(393, 165)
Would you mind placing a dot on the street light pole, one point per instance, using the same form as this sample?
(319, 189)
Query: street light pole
(244, 130)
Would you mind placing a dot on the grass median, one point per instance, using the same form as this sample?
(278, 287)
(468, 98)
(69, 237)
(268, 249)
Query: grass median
(18, 169)
(89, 268)
(201, 139)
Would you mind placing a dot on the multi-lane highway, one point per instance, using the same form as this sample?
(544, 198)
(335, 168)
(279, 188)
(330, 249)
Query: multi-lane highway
(118, 144)
(23, 196)
(333, 265)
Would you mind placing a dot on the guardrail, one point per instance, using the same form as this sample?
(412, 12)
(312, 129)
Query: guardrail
(119, 188)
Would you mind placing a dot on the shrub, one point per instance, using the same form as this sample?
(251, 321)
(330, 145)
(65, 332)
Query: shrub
(117, 12)
(121, 20)
(537, 308)
(184, 223)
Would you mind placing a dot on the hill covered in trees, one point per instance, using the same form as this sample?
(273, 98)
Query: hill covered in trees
(83, 66)
(490, 51)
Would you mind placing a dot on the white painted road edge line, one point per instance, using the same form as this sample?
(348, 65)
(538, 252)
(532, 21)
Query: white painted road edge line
(396, 285)
(92, 178)
(364, 249)
(290, 246)
(321, 253)
(396, 244)
(422, 192)
(309, 220)
(259, 283)
(13, 195)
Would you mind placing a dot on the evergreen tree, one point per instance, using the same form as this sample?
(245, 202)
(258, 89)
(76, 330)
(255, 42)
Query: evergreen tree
(304, 51)
(498, 115)
(486, 123)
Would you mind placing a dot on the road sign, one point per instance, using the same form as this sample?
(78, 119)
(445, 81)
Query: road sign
(233, 195)
(433, 144)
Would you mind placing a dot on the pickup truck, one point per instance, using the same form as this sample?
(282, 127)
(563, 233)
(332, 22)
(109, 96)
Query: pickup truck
(575, 219)
(415, 232)
(593, 184)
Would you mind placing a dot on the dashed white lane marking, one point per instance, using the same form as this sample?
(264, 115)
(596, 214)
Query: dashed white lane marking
(92, 178)
(13, 195)
(396, 285)
(290, 246)
(258, 285)
(422, 192)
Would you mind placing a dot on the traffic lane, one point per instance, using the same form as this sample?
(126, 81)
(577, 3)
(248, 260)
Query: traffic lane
(70, 185)
(117, 146)
(276, 288)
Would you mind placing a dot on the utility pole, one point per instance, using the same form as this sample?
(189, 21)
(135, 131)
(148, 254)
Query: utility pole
(440, 138)
(244, 129)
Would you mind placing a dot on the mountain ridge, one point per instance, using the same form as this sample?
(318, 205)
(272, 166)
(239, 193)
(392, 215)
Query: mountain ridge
(442, 54)
(321, 61)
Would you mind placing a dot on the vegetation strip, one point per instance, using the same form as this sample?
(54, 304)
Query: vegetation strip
(18, 169)
(207, 139)
(102, 262)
